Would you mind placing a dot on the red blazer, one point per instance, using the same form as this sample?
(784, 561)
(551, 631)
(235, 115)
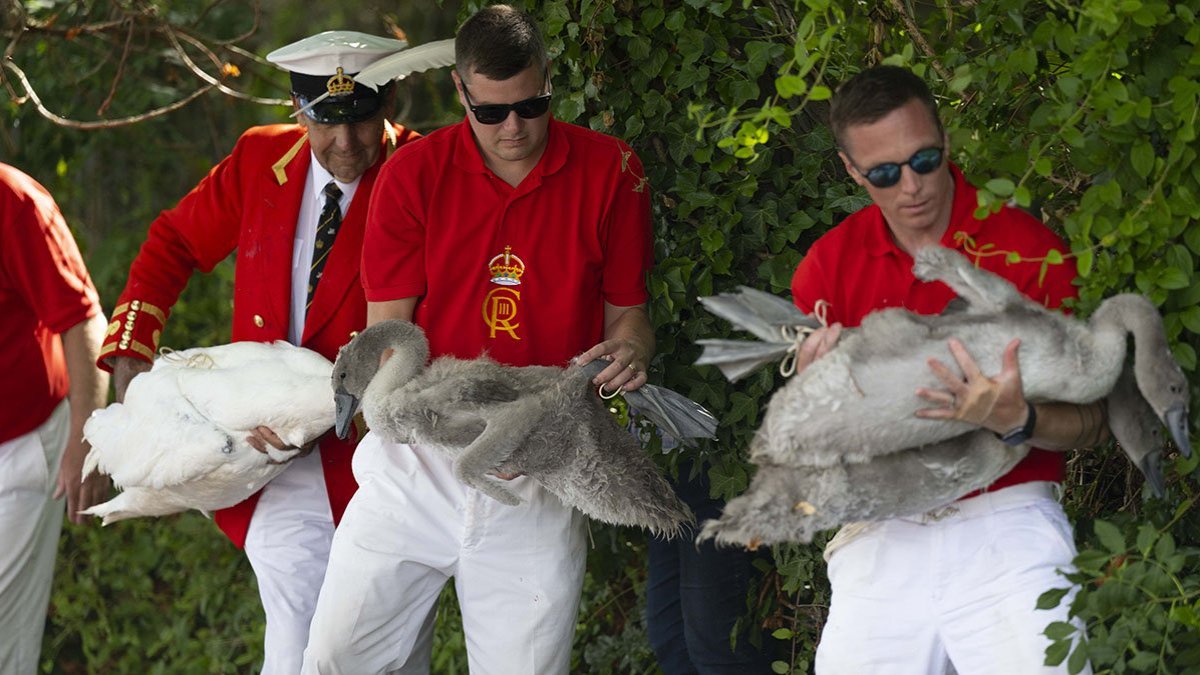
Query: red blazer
(250, 202)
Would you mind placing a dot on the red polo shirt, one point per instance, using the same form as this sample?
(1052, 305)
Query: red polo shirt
(519, 273)
(44, 290)
(858, 268)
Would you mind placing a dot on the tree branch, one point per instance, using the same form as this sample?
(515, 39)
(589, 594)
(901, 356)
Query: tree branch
(104, 124)
(914, 30)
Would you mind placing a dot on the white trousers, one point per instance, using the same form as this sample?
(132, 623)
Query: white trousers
(288, 547)
(30, 521)
(954, 590)
(518, 570)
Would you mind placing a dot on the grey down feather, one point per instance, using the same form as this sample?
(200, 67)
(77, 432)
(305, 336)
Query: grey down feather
(545, 422)
(840, 442)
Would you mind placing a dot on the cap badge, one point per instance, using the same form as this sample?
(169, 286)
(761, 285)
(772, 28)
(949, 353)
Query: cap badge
(340, 84)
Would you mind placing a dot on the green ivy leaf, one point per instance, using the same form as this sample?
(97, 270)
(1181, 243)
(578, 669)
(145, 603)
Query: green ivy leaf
(1147, 534)
(788, 86)
(1142, 158)
(1143, 661)
(1079, 658)
(1001, 187)
(1083, 262)
(1059, 630)
(1057, 652)
(1110, 536)
(1051, 598)
(1173, 278)
(652, 16)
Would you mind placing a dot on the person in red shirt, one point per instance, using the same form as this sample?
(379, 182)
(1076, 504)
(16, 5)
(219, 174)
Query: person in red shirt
(954, 589)
(292, 200)
(518, 236)
(51, 326)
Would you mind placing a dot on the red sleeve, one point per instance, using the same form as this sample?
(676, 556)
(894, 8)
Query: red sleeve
(393, 259)
(195, 235)
(809, 284)
(41, 261)
(628, 242)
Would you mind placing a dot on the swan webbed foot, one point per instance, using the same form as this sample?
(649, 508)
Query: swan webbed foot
(490, 488)
(982, 290)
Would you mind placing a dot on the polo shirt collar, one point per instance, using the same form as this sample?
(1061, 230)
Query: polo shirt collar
(879, 239)
(469, 158)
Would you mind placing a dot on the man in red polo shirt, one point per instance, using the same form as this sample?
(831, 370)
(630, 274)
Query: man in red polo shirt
(527, 239)
(955, 589)
(51, 326)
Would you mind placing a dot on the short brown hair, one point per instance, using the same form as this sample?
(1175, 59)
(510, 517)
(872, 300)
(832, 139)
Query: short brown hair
(872, 94)
(498, 42)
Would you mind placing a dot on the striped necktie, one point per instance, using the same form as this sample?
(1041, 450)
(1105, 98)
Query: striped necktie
(327, 228)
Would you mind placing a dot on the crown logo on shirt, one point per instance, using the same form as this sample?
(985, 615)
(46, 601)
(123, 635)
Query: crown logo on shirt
(340, 84)
(506, 268)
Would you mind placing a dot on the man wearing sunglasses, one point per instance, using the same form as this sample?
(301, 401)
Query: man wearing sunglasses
(292, 200)
(528, 239)
(954, 589)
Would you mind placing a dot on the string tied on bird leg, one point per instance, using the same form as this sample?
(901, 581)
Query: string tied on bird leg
(797, 334)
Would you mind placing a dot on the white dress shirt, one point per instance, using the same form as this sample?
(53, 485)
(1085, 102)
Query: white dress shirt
(306, 236)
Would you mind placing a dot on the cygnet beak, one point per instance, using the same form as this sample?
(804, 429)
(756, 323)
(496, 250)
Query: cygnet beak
(1151, 466)
(346, 405)
(1177, 423)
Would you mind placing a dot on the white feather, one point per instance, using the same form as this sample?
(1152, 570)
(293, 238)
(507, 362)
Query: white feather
(398, 66)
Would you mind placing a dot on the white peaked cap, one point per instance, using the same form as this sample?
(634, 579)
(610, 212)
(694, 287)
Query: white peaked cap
(324, 53)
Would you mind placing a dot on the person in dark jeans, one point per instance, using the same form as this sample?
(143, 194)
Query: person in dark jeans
(695, 595)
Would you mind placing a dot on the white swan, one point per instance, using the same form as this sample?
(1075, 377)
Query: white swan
(178, 440)
(547, 423)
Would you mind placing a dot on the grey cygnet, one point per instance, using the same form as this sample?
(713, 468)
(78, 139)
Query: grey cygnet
(545, 422)
(850, 416)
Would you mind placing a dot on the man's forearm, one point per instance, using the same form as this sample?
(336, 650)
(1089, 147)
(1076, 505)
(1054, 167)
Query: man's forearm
(402, 309)
(89, 384)
(1063, 426)
(631, 324)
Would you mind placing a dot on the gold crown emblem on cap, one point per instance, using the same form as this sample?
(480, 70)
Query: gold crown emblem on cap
(340, 84)
(506, 268)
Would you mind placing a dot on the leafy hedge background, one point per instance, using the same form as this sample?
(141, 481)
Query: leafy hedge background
(1084, 111)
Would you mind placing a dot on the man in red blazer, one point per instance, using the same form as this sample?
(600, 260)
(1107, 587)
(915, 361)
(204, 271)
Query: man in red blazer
(291, 199)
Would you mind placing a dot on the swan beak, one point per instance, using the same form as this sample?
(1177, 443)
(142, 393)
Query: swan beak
(345, 406)
(1151, 466)
(1177, 423)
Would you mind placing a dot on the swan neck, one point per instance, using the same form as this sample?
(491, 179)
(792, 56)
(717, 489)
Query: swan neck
(1130, 314)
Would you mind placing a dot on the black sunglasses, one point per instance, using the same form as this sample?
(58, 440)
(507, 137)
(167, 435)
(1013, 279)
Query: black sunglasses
(888, 174)
(495, 113)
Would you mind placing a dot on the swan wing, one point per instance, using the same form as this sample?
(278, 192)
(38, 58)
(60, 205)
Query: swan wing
(153, 441)
(286, 390)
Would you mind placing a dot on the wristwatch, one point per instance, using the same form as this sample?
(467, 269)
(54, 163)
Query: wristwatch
(1023, 433)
